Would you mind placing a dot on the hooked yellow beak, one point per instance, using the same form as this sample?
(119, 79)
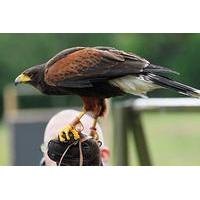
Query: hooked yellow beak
(22, 78)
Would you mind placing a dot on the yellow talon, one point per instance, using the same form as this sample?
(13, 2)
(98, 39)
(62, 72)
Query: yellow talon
(76, 134)
(64, 134)
(61, 137)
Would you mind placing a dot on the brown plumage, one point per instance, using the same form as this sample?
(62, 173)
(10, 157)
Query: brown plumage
(73, 65)
(98, 73)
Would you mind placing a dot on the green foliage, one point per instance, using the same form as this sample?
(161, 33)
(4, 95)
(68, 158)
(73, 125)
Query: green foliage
(179, 51)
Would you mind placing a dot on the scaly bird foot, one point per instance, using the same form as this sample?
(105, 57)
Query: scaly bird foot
(68, 133)
(94, 134)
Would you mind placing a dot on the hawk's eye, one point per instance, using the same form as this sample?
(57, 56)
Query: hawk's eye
(33, 74)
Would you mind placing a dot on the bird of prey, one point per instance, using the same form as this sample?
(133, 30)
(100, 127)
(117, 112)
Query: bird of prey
(97, 73)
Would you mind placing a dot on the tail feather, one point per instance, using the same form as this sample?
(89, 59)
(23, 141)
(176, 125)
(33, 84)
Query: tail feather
(159, 69)
(170, 84)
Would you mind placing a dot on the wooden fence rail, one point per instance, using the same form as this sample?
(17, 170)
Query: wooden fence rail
(127, 117)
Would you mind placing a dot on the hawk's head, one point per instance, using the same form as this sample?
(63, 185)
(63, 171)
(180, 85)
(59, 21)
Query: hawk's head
(31, 75)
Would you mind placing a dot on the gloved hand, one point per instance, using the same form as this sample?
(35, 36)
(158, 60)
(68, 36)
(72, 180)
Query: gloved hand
(84, 152)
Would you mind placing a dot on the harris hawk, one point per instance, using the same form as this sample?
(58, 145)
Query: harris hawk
(97, 73)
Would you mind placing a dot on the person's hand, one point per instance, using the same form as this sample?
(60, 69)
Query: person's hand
(74, 153)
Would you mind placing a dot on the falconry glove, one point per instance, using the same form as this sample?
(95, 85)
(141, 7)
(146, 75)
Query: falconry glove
(84, 152)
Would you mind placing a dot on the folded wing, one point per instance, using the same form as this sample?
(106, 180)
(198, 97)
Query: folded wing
(81, 67)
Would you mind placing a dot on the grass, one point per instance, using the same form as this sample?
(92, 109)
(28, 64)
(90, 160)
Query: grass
(173, 138)
(4, 145)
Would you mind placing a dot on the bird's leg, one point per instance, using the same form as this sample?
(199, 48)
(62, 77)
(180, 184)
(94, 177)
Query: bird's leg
(64, 134)
(98, 108)
(93, 130)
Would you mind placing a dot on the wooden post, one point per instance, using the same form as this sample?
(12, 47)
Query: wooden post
(120, 136)
(139, 138)
(10, 101)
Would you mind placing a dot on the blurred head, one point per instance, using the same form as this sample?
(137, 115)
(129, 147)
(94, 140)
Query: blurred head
(61, 119)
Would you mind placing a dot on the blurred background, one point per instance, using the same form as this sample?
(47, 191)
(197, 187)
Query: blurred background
(173, 138)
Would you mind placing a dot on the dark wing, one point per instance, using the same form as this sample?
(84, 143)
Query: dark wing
(62, 54)
(81, 67)
(148, 66)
